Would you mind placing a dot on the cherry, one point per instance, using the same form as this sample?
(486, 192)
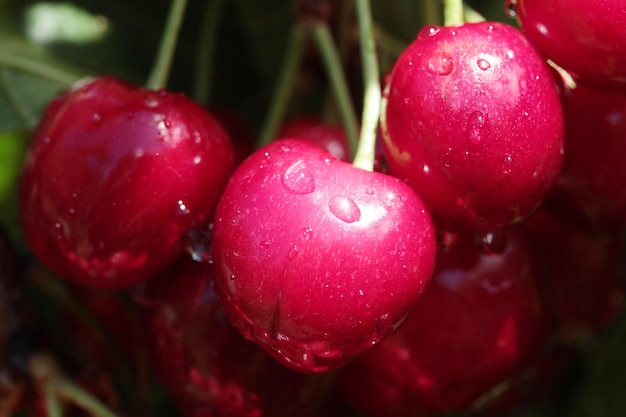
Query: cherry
(585, 37)
(317, 260)
(585, 274)
(471, 119)
(591, 188)
(331, 137)
(204, 363)
(480, 320)
(115, 175)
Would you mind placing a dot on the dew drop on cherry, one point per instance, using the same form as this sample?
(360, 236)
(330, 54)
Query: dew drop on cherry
(483, 64)
(345, 209)
(478, 127)
(441, 64)
(493, 242)
(509, 9)
(299, 179)
(428, 31)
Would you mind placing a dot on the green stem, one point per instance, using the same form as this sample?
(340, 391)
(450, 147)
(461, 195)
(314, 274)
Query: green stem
(453, 14)
(54, 407)
(163, 62)
(38, 68)
(205, 52)
(284, 86)
(334, 70)
(365, 154)
(76, 395)
(471, 15)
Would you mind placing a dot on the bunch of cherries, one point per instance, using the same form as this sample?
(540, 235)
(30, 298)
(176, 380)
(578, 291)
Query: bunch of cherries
(482, 251)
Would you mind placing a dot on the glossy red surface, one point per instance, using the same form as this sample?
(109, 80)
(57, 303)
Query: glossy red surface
(480, 320)
(471, 119)
(586, 37)
(114, 177)
(591, 188)
(205, 364)
(318, 260)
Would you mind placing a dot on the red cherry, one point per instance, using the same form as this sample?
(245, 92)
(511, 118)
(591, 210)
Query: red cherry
(591, 188)
(316, 259)
(471, 119)
(481, 318)
(585, 37)
(205, 364)
(330, 137)
(115, 176)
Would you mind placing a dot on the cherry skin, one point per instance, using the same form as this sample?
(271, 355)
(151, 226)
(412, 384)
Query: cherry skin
(331, 137)
(317, 260)
(585, 37)
(481, 318)
(114, 177)
(471, 119)
(591, 187)
(202, 360)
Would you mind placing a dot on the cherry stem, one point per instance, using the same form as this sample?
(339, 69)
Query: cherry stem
(163, 63)
(56, 387)
(284, 86)
(453, 14)
(366, 151)
(205, 52)
(471, 15)
(334, 70)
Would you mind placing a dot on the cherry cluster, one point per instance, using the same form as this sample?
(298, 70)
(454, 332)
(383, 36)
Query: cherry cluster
(462, 273)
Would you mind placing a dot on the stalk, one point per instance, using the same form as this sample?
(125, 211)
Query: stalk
(365, 153)
(162, 65)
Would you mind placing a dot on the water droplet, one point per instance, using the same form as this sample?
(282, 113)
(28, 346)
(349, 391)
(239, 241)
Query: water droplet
(232, 278)
(440, 64)
(483, 64)
(494, 242)
(264, 244)
(345, 209)
(293, 252)
(382, 329)
(307, 233)
(510, 54)
(509, 8)
(369, 191)
(197, 159)
(198, 243)
(151, 102)
(182, 209)
(197, 138)
(57, 228)
(94, 121)
(299, 179)
(428, 31)
(507, 165)
(162, 93)
(478, 127)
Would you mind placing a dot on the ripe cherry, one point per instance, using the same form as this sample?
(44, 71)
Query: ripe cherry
(471, 119)
(481, 318)
(115, 175)
(591, 187)
(585, 37)
(205, 364)
(317, 260)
